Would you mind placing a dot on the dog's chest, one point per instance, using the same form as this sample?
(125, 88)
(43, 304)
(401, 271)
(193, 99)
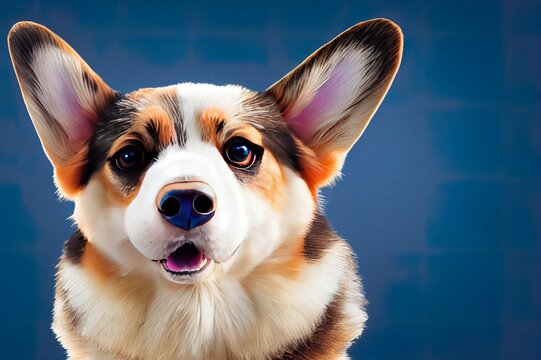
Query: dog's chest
(136, 318)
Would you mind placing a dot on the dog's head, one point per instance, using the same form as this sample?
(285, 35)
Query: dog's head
(199, 181)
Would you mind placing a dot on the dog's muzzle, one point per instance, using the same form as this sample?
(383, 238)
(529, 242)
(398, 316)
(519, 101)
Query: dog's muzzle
(187, 204)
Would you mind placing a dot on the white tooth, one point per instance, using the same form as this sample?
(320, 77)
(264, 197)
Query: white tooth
(203, 263)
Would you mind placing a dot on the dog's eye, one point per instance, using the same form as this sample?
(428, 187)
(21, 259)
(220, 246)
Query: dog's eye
(240, 153)
(130, 157)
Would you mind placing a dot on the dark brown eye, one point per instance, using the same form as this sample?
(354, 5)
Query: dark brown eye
(240, 153)
(130, 157)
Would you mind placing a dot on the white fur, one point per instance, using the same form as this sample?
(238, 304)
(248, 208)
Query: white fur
(152, 235)
(71, 105)
(219, 316)
(355, 60)
(352, 79)
(242, 216)
(206, 320)
(62, 74)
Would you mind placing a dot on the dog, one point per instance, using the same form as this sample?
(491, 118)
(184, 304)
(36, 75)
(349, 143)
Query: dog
(199, 231)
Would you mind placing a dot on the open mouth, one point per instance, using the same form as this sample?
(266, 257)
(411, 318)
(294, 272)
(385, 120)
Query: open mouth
(186, 260)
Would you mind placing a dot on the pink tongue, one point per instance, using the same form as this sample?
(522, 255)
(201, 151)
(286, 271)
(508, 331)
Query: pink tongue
(185, 258)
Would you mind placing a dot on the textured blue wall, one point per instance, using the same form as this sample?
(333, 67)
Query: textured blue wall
(441, 198)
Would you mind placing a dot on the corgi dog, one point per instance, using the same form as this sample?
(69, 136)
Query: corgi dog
(199, 231)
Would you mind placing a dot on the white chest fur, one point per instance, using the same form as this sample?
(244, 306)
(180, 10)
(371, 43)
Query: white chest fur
(133, 317)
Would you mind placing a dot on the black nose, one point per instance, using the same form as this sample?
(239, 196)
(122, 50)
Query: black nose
(186, 204)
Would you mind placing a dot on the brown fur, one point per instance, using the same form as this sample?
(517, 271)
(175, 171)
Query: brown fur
(270, 181)
(329, 339)
(68, 175)
(210, 120)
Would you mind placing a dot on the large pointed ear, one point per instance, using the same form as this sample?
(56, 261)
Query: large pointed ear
(329, 99)
(64, 98)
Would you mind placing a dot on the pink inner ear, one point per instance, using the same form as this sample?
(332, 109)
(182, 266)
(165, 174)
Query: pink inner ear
(79, 123)
(307, 121)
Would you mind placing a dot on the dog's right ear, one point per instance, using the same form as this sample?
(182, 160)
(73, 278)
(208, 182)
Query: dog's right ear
(64, 98)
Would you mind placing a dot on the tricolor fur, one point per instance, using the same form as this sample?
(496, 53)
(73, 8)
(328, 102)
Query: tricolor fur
(280, 283)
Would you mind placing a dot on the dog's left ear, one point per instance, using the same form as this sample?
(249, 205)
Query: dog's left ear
(329, 99)
(64, 98)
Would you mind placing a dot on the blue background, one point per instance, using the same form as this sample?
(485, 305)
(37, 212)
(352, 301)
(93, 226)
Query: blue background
(441, 197)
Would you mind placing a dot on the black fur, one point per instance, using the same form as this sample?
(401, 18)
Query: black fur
(114, 122)
(321, 343)
(74, 247)
(276, 135)
(319, 238)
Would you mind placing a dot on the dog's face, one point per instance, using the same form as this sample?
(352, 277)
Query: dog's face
(189, 173)
(194, 181)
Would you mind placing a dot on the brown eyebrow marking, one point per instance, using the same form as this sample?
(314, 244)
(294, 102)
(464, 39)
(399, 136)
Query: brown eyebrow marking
(160, 105)
(211, 122)
(155, 127)
(167, 98)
